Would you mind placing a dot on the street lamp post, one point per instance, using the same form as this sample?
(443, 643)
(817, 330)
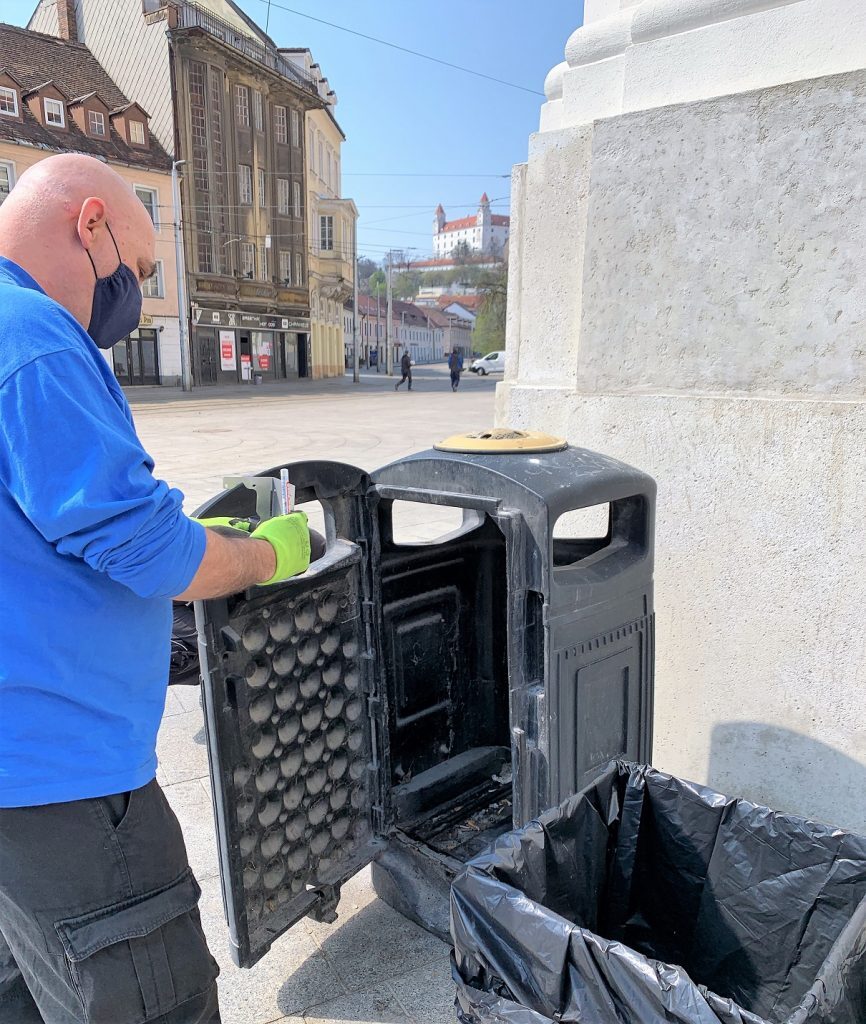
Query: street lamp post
(180, 266)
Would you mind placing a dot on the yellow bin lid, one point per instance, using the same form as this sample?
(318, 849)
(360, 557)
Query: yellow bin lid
(502, 441)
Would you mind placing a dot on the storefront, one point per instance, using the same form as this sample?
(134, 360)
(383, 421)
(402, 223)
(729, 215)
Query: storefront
(136, 358)
(230, 346)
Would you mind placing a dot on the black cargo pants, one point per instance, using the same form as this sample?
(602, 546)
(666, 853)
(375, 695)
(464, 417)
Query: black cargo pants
(98, 916)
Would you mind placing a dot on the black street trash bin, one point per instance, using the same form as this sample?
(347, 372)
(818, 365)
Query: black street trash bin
(412, 701)
(648, 900)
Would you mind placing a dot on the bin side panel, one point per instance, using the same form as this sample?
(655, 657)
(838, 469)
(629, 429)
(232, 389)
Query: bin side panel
(290, 747)
(602, 691)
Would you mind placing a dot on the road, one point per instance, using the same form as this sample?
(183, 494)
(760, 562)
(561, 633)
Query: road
(372, 964)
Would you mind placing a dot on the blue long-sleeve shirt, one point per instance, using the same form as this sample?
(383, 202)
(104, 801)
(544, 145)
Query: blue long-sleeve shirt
(92, 548)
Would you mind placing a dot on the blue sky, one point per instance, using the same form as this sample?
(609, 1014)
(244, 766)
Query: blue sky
(406, 115)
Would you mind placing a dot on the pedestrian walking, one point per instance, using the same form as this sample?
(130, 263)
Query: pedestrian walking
(455, 365)
(406, 370)
(98, 905)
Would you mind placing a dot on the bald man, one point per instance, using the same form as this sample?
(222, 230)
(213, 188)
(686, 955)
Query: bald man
(98, 907)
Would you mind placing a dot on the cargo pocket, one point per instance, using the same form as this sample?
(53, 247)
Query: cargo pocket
(135, 960)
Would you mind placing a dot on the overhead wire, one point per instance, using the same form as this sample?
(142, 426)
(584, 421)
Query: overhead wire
(402, 49)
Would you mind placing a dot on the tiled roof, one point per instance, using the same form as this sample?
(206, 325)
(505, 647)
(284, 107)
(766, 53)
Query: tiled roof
(33, 59)
(470, 302)
(500, 220)
(458, 225)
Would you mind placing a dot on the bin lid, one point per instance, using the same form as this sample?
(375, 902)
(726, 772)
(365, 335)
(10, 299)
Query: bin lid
(502, 440)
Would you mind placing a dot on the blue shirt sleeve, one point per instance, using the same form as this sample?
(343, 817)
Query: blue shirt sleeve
(74, 465)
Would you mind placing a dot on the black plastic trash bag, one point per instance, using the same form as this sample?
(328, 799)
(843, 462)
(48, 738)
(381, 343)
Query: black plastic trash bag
(649, 900)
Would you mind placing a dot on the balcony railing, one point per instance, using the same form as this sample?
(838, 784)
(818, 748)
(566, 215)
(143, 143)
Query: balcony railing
(184, 14)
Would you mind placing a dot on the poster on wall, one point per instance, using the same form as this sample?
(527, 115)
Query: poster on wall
(264, 362)
(227, 350)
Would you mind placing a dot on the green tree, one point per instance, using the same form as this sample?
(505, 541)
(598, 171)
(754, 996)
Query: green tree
(489, 334)
(377, 284)
(461, 253)
(366, 269)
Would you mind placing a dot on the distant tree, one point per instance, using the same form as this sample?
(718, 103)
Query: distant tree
(489, 334)
(405, 286)
(461, 253)
(366, 269)
(377, 284)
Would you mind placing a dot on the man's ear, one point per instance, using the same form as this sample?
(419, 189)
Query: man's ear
(91, 221)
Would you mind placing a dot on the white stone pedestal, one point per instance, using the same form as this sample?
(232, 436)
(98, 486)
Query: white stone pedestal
(688, 293)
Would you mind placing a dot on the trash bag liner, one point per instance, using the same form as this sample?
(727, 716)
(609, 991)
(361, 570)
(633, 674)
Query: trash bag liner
(646, 899)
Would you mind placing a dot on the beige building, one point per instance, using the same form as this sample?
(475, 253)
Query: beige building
(55, 97)
(331, 222)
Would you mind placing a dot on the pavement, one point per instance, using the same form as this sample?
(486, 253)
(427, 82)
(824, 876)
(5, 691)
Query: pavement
(372, 964)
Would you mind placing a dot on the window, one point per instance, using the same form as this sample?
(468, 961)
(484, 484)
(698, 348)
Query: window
(321, 160)
(296, 128)
(7, 178)
(245, 184)
(96, 122)
(283, 195)
(262, 188)
(150, 201)
(299, 269)
(296, 189)
(258, 109)
(330, 178)
(280, 124)
(136, 133)
(154, 287)
(312, 148)
(242, 105)
(285, 266)
(263, 263)
(326, 234)
(8, 101)
(248, 259)
(54, 113)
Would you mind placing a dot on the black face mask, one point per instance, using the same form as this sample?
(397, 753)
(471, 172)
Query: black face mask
(116, 303)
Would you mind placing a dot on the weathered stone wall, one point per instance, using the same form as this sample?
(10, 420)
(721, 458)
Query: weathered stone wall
(688, 294)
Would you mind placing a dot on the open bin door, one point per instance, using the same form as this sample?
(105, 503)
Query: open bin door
(289, 688)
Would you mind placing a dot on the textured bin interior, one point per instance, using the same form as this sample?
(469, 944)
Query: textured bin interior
(747, 901)
(298, 778)
(444, 608)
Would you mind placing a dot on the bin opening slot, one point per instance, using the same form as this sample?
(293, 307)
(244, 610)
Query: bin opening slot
(415, 522)
(581, 533)
(446, 662)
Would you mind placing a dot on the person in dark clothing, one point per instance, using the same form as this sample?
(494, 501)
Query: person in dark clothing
(406, 370)
(455, 365)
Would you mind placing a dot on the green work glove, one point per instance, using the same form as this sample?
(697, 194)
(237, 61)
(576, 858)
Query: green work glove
(289, 536)
(244, 525)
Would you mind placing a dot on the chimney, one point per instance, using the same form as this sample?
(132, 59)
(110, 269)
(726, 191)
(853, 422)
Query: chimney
(67, 27)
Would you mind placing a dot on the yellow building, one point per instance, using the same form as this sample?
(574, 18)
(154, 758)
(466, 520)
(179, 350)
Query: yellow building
(55, 97)
(331, 224)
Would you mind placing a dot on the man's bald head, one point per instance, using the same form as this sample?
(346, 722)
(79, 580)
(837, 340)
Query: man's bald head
(60, 211)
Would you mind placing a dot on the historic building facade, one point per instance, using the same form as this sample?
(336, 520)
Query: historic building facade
(55, 97)
(232, 109)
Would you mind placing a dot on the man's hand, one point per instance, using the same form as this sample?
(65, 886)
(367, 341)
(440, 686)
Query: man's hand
(244, 525)
(236, 559)
(289, 536)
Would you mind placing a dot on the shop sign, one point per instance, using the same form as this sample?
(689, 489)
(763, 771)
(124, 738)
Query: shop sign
(146, 320)
(254, 321)
(227, 350)
(264, 362)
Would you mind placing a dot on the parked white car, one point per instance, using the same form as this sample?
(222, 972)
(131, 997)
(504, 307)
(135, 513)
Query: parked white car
(493, 362)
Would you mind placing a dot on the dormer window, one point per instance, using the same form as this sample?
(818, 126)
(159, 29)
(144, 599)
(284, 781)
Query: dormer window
(55, 115)
(136, 133)
(96, 123)
(8, 101)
